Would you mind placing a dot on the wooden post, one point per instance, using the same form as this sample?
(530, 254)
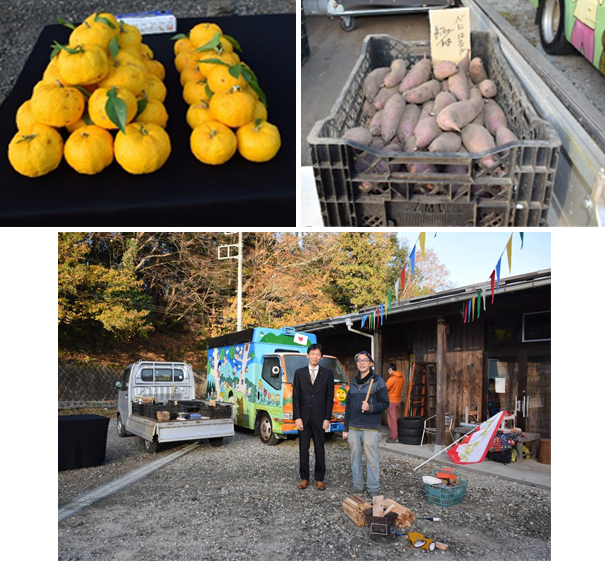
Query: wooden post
(441, 382)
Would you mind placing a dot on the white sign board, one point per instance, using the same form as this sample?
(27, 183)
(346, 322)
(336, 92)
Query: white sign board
(450, 34)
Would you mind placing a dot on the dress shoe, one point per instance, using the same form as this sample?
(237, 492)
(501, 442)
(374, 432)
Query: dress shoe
(303, 484)
(321, 485)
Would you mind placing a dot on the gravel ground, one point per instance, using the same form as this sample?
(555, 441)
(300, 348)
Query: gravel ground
(241, 501)
(22, 22)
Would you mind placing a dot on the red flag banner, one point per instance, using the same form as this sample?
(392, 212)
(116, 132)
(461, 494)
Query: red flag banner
(474, 446)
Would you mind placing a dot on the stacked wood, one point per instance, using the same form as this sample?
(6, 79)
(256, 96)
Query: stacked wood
(405, 517)
(354, 508)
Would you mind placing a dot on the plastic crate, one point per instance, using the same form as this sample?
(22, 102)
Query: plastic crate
(514, 192)
(305, 49)
(446, 496)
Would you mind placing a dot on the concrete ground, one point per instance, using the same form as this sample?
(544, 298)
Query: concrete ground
(530, 472)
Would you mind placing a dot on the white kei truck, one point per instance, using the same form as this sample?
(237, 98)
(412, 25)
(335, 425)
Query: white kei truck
(150, 387)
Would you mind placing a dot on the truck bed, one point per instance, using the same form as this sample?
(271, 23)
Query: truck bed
(175, 431)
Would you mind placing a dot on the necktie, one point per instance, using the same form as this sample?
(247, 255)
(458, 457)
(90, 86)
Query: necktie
(313, 372)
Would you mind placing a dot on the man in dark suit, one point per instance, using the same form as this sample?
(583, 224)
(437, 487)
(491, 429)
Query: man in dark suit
(312, 399)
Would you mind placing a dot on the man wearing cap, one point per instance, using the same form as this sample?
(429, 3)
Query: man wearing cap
(312, 399)
(362, 422)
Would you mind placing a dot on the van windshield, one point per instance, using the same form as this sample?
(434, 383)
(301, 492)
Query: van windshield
(293, 362)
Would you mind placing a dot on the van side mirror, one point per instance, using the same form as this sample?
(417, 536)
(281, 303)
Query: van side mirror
(118, 385)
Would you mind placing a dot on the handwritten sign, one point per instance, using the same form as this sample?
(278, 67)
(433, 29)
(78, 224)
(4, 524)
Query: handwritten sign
(450, 34)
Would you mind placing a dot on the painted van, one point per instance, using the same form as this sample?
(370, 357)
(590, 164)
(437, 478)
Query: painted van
(254, 369)
(566, 25)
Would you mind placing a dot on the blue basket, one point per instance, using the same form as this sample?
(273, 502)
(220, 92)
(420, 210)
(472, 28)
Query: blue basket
(446, 496)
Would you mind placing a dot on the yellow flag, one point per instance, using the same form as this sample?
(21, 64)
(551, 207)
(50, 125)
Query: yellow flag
(509, 251)
(421, 238)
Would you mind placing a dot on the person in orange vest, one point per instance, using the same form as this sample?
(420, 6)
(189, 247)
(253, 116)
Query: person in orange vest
(394, 387)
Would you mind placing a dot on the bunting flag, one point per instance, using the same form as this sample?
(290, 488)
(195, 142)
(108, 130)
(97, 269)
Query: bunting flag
(484, 290)
(509, 251)
(413, 259)
(474, 446)
(402, 281)
(421, 237)
(397, 282)
(382, 314)
(521, 234)
(479, 305)
(390, 300)
(492, 277)
(498, 271)
(363, 321)
(473, 308)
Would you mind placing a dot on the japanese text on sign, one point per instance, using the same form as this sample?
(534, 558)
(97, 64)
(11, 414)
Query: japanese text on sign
(450, 34)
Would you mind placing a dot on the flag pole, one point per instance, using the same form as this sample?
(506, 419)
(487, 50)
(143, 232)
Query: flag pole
(444, 450)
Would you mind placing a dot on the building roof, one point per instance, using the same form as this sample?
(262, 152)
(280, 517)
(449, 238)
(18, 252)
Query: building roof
(517, 283)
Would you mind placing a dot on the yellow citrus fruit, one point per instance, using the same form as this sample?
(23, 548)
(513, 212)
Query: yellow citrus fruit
(154, 67)
(89, 149)
(51, 73)
(226, 45)
(56, 105)
(129, 36)
(92, 34)
(213, 143)
(196, 91)
(154, 112)
(220, 79)
(36, 153)
(154, 88)
(104, 19)
(146, 51)
(25, 118)
(258, 141)
(198, 113)
(208, 66)
(185, 59)
(190, 73)
(260, 111)
(126, 71)
(83, 122)
(182, 44)
(143, 149)
(83, 65)
(233, 108)
(97, 107)
(202, 33)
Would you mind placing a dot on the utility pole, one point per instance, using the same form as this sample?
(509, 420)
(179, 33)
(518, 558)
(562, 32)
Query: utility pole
(227, 254)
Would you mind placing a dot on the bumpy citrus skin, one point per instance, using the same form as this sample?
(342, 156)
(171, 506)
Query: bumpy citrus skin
(55, 105)
(258, 141)
(233, 108)
(143, 149)
(89, 149)
(98, 101)
(88, 65)
(213, 143)
(37, 152)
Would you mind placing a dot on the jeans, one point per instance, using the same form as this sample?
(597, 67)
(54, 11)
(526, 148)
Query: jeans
(366, 440)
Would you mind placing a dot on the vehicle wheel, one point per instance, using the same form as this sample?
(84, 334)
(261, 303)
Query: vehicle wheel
(265, 430)
(411, 423)
(121, 430)
(410, 432)
(409, 439)
(150, 446)
(216, 442)
(347, 23)
(552, 28)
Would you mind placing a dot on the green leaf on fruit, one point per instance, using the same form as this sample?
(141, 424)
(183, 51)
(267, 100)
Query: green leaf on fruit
(114, 47)
(141, 104)
(213, 45)
(116, 109)
(234, 42)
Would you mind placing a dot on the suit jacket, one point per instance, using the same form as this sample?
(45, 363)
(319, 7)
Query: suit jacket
(313, 402)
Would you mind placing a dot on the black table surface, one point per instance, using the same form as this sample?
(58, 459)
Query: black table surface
(184, 192)
(82, 440)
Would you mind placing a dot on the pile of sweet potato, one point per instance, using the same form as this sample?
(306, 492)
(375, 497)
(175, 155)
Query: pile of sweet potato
(445, 107)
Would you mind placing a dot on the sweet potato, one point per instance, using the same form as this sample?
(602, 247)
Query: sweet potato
(505, 135)
(419, 167)
(488, 88)
(368, 109)
(393, 112)
(475, 139)
(458, 85)
(459, 114)
(423, 93)
(442, 100)
(375, 126)
(494, 116)
(410, 144)
(427, 109)
(417, 75)
(446, 142)
(476, 71)
(373, 81)
(398, 69)
(408, 122)
(383, 96)
(444, 69)
(359, 134)
(426, 131)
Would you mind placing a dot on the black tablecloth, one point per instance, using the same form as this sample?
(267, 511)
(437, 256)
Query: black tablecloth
(82, 440)
(184, 192)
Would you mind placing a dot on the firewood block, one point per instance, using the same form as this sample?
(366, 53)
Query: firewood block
(354, 507)
(377, 506)
(405, 517)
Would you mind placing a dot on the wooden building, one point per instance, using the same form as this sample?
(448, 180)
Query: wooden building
(499, 360)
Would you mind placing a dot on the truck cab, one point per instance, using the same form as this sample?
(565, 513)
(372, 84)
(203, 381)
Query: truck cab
(254, 369)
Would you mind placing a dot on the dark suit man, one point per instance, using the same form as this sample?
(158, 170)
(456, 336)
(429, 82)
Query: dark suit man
(312, 403)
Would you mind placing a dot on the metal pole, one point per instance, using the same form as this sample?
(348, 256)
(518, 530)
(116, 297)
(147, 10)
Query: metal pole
(239, 283)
